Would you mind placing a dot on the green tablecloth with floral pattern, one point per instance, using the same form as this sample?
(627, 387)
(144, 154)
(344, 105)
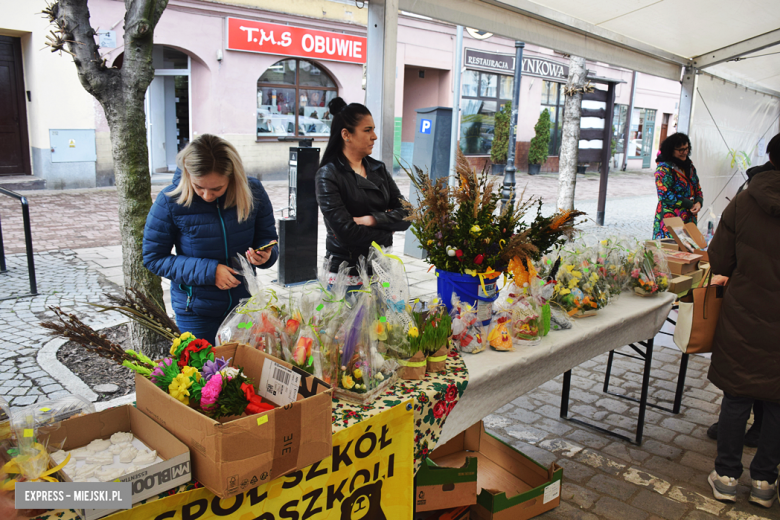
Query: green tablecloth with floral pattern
(434, 397)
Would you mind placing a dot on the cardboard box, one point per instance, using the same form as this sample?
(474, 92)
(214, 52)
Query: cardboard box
(147, 482)
(510, 485)
(237, 454)
(455, 513)
(669, 244)
(440, 487)
(683, 257)
(679, 268)
(696, 277)
(687, 236)
(680, 284)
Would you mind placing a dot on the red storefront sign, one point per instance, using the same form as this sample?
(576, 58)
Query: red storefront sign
(271, 38)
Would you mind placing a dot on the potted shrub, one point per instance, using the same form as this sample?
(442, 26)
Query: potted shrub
(500, 148)
(540, 144)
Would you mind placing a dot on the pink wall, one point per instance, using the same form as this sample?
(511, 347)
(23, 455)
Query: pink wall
(420, 93)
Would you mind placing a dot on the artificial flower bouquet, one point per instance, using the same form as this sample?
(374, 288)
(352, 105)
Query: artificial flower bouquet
(650, 272)
(300, 339)
(580, 291)
(363, 371)
(193, 376)
(462, 229)
(255, 321)
(526, 314)
(467, 331)
(612, 264)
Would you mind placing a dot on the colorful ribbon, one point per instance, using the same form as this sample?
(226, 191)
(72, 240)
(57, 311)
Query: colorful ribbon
(393, 257)
(12, 467)
(413, 364)
(437, 359)
(489, 274)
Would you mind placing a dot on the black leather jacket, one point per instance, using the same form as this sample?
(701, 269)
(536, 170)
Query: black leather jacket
(343, 194)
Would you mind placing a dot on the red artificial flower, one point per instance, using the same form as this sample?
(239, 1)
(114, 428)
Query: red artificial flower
(452, 393)
(256, 404)
(459, 254)
(196, 345)
(478, 260)
(439, 409)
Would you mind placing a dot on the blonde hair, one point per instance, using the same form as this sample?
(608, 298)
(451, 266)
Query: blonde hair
(208, 154)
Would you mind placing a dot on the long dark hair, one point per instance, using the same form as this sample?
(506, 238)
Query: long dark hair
(344, 116)
(669, 145)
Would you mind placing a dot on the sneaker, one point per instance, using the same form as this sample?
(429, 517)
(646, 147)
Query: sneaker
(752, 436)
(723, 488)
(763, 493)
(712, 432)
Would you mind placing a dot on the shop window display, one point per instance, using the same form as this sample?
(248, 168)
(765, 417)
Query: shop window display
(292, 100)
(482, 95)
(551, 101)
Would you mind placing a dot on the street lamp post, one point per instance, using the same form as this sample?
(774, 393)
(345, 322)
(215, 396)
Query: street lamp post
(507, 192)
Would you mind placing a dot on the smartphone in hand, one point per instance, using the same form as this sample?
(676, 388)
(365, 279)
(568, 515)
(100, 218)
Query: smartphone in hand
(269, 245)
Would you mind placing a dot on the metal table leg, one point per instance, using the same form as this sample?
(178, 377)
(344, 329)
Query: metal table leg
(647, 357)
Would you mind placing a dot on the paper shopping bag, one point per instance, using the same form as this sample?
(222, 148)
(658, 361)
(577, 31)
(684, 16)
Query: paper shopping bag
(697, 318)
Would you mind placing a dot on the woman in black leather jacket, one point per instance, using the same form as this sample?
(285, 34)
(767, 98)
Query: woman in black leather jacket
(358, 198)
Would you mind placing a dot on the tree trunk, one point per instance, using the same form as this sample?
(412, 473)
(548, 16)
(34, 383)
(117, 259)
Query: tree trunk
(121, 94)
(570, 141)
(134, 186)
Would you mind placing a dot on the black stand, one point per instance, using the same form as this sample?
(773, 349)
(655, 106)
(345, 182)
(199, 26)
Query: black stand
(647, 357)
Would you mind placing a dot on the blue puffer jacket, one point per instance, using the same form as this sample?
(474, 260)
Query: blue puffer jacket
(204, 236)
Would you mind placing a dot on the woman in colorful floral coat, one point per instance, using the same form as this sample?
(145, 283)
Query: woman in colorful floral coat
(679, 192)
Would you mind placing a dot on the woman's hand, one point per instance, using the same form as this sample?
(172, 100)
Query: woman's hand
(225, 279)
(720, 280)
(696, 208)
(368, 220)
(258, 257)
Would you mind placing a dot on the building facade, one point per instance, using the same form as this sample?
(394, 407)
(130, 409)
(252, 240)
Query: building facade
(262, 79)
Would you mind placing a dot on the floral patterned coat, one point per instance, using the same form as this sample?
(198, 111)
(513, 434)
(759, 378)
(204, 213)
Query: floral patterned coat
(677, 193)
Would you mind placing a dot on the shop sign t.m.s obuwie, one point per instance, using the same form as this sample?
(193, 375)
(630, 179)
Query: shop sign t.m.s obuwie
(285, 40)
(505, 64)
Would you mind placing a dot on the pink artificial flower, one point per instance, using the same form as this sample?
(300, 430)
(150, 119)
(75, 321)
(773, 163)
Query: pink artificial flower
(210, 392)
(635, 273)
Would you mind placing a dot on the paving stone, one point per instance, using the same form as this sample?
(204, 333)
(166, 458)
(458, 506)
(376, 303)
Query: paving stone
(24, 400)
(17, 391)
(51, 388)
(613, 487)
(580, 496)
(705, 446)
(659, 505)
(527, 434)
(701, 462)
(622, 451)
(557, 425)
(596, 460)
(668, 469)
(662, 450)
(612, 509)
(573, 470)
(568, 512)
(523, 416)
(38, 375)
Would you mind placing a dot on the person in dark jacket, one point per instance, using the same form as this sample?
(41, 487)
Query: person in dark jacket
(745, 253)
(358, 198)
(677, 184)
(752, 172)
(211, 213)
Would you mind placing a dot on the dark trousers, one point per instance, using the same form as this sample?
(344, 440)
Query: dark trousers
(201, 327)
(734, 414)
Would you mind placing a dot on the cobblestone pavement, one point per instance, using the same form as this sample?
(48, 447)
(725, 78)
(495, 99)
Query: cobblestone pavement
(63, 280)
(665, 478)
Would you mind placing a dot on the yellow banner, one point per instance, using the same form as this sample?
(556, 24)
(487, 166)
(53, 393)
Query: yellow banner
(369, 477)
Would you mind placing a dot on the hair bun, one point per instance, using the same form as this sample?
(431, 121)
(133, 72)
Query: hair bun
(336, 105)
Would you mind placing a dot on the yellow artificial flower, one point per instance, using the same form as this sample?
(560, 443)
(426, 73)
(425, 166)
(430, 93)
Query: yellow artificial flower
(576, 274)
(358, 373)
(378, 331)
(179, 388)
(573, 283)
(475, 230)
(430, 242)
(189, 371)
(413, 332)
(564, 292)
(380, 377)
(177, 341)
(594, 277)
(347, 382)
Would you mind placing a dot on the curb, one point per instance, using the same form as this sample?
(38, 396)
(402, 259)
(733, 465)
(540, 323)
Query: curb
(47, 360)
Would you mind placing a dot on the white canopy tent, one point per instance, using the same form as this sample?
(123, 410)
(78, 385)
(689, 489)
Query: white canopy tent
(725, 53)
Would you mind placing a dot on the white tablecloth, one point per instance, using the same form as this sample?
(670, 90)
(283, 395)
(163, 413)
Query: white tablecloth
(498, 378)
